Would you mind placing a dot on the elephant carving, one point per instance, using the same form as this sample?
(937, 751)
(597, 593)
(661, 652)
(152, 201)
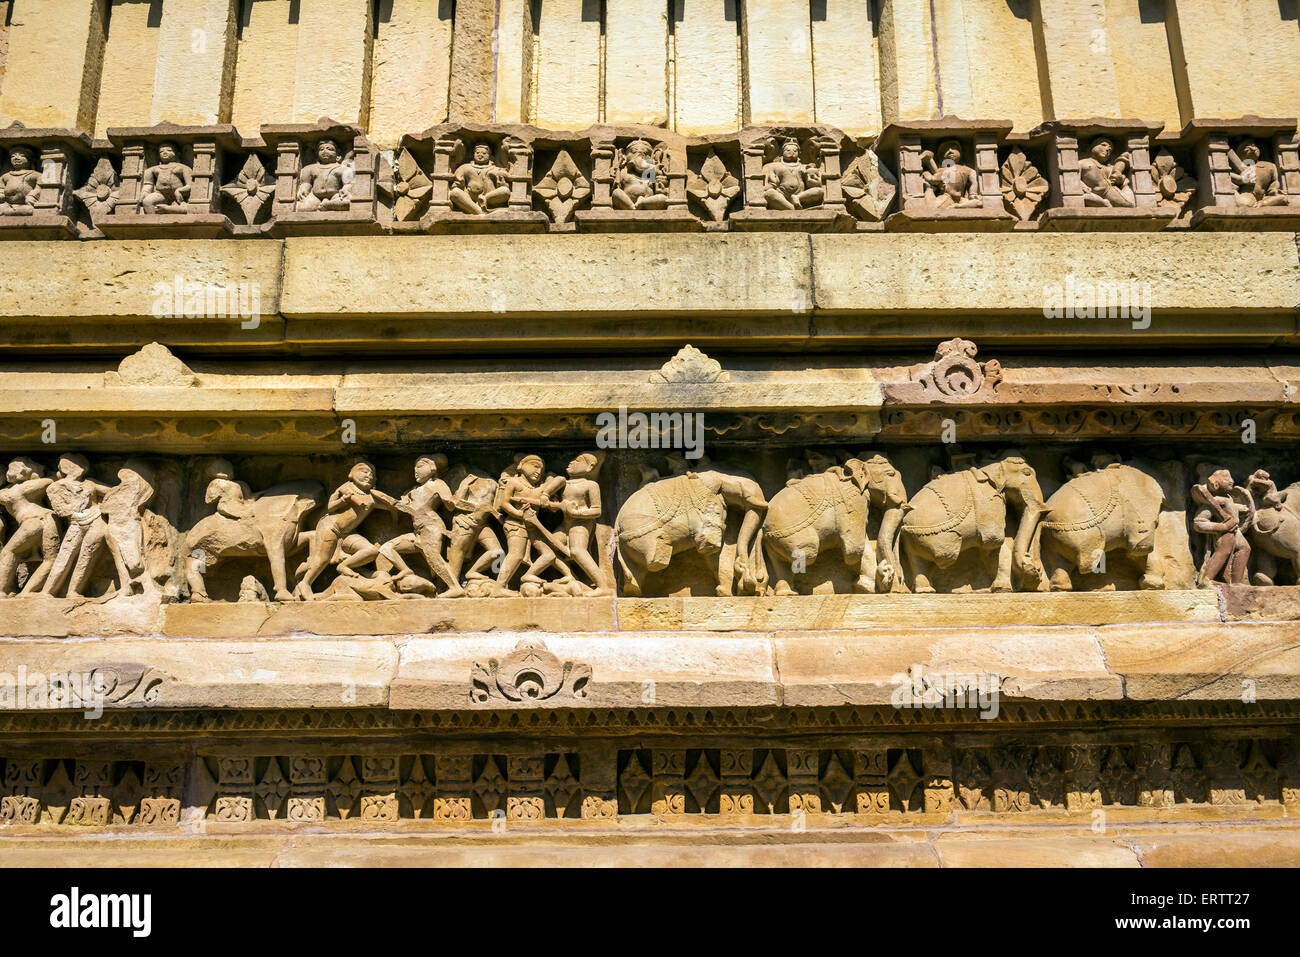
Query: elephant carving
(689, 512)
(832, 508)
(270, 525)
(1113, 508)
(1276, 529)
(968, 510)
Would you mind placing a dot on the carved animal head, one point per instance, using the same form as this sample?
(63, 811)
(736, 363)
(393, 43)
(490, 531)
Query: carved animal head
(1013, 478)
(877, 478)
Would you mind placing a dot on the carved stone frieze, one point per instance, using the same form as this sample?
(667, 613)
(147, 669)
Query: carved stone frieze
(934, 175)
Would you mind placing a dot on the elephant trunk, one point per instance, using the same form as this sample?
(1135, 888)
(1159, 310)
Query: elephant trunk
(1029, 526)
(890, 523)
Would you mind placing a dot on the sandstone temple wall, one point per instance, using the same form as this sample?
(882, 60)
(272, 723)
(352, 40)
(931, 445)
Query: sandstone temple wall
(650, 428)
(396, 66)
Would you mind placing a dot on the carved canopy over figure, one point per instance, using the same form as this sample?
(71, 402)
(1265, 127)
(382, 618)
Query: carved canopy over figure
(831, 508)
(688, 512)
(481, 185)
(788, 181)
(640, 173)
(968, 510)
(952, 185)
(325, 185)
(1105, 177)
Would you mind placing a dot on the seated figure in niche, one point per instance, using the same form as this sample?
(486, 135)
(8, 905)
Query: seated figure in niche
(1105, 176)
(640, 177)
(19, 183)
(952, 184)
(165, 187)
(480, 186)
(790, 183)
(1257, 181)
(325, 185)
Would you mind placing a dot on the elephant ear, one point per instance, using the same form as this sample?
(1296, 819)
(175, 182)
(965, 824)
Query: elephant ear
(858, 470)
(993, 475)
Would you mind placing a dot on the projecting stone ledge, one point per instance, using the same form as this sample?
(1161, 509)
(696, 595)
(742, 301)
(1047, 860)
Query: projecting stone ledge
(1244, 664)
(764, 289)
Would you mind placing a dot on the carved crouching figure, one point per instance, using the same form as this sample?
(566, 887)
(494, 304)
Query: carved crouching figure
(1113, 508)
(1106, 183)
(246, 526)
(968, 509)
(831, 508)
(325, 185)
(689, 512)
(952, 184)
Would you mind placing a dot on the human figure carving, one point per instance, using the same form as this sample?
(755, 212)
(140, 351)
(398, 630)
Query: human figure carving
(474, 505)
(75, 497)
(1224, 515)
(37, 533)
(325, 185)
(18, 184)
(347, 508)
(480, 186)
(1257, 181)
(580, 502)
(520, 494)
(790, 183)
(952, 184)
(165, 187)
(430, 530)
(640, 177)
(1105, 177)
(123, 506)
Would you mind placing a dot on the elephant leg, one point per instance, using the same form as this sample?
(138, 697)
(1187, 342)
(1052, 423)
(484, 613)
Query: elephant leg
(1056, 566)
(1001, 562)
(866, 563)
(919, 571)
(724, 570)
(1265, 568)
(633, 571)
(275, 556)
(781, 576)
(1152, 565)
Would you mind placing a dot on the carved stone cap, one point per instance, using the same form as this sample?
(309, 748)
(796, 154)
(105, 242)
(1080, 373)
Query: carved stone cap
(691, 365)
(947, 126)
(152, 366)
(1099, 126)
(223, 134)
(1198, 129)
(16, 134)
(324, 128)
